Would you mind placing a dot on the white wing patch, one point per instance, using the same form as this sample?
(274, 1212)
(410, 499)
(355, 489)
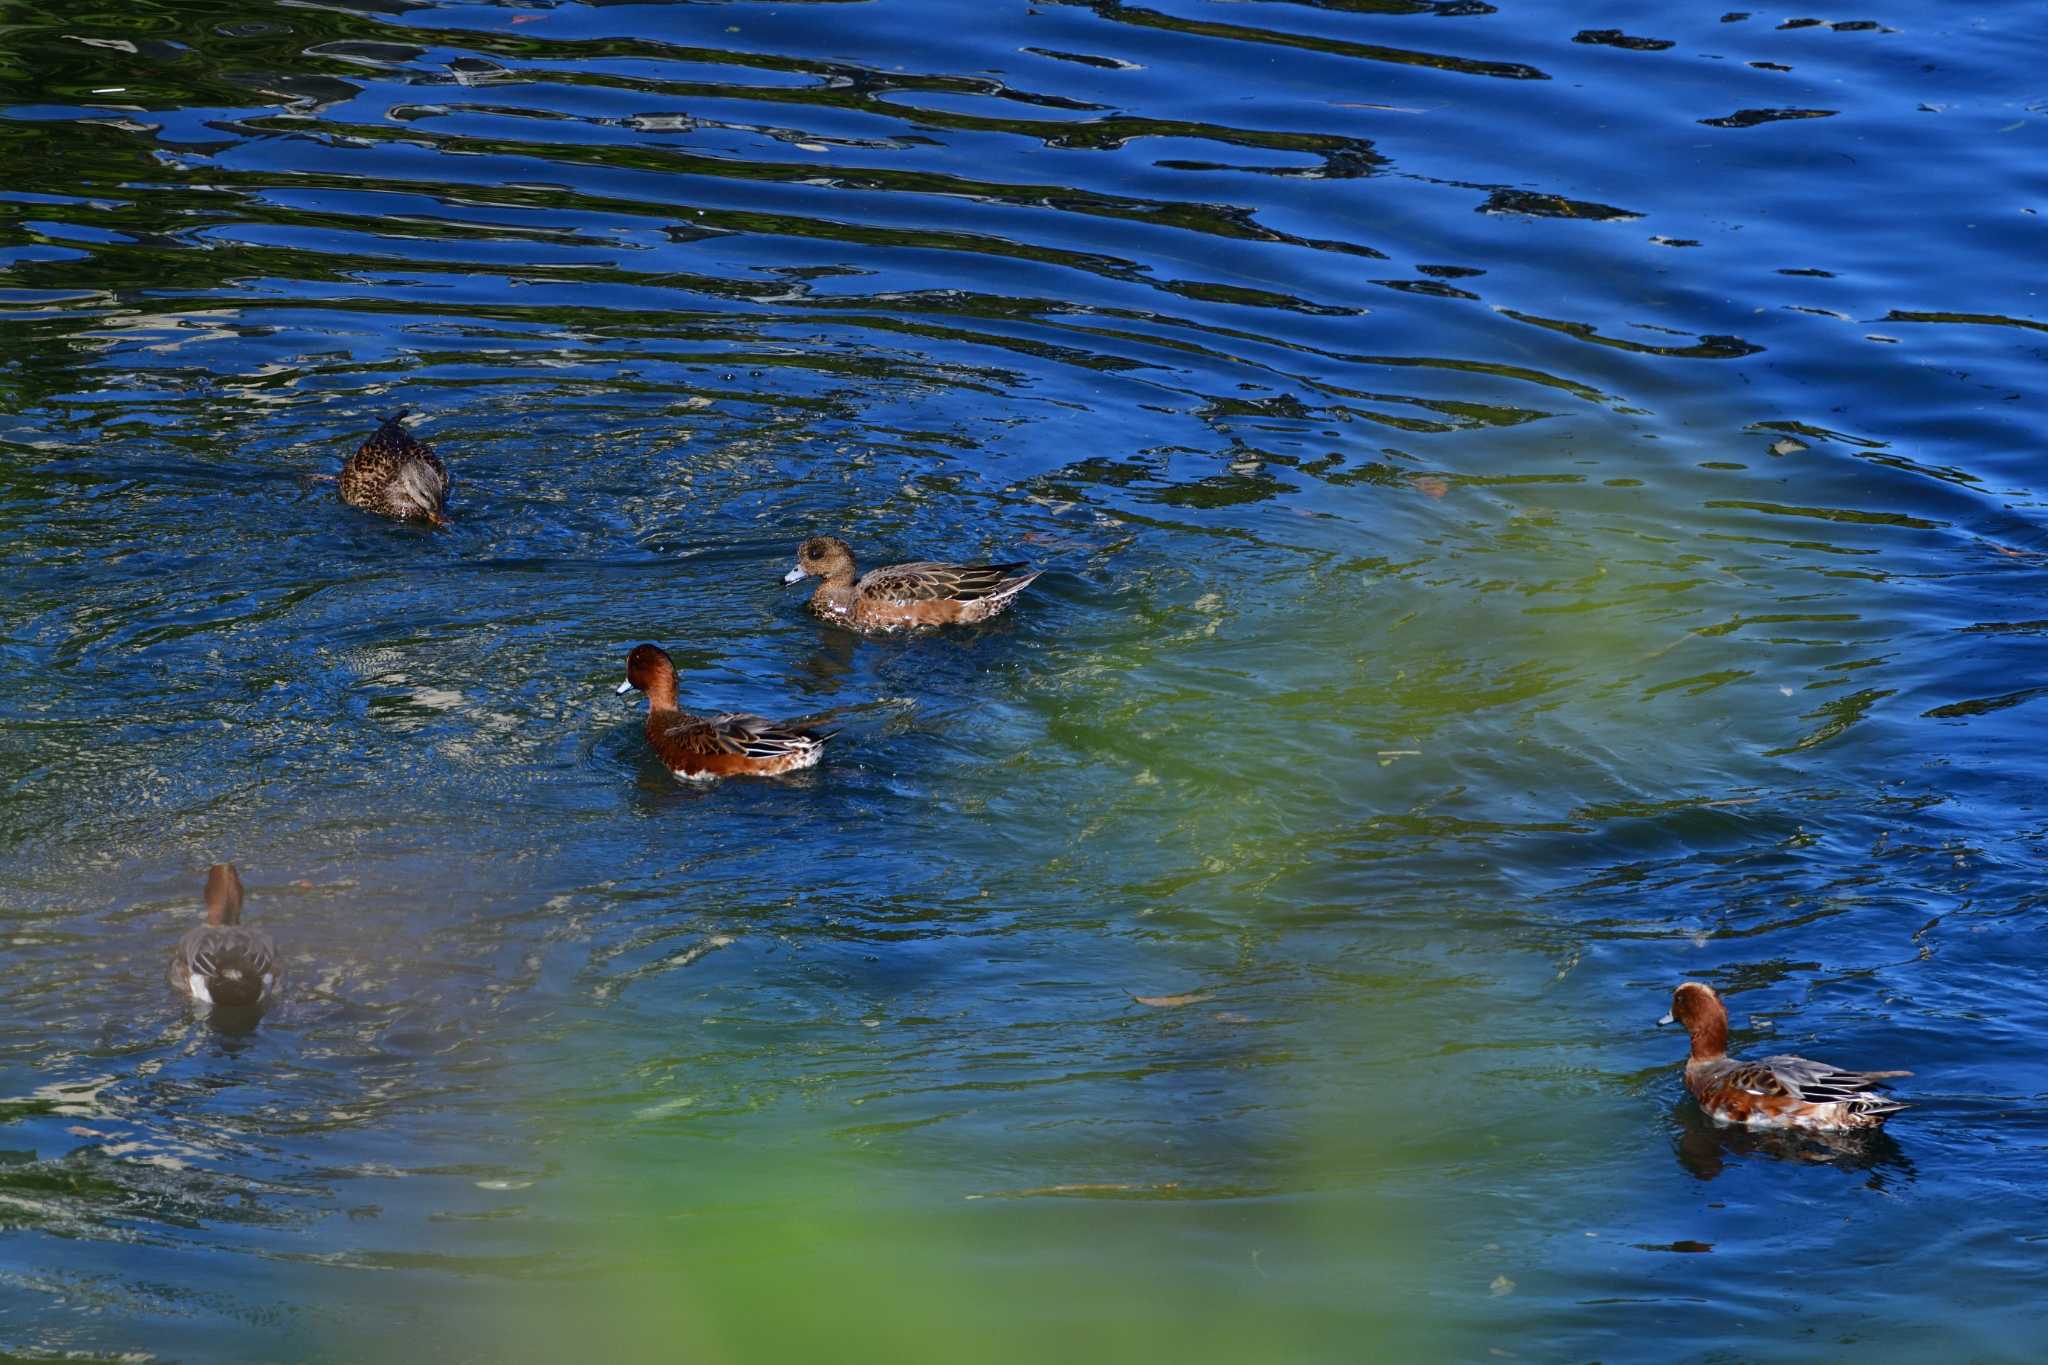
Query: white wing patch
(199, 991)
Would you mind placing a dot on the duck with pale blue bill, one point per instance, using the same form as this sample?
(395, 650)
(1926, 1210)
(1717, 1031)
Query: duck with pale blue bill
(896, 596)
(700, 748)
(1771, 1092)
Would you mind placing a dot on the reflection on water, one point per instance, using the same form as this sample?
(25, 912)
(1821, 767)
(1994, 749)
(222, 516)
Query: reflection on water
(1527, 522)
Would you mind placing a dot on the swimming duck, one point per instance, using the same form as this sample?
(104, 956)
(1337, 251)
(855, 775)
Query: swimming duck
(703, 747)
(1771, 1092)
(920, 594)
(394, 475)
(223, 961)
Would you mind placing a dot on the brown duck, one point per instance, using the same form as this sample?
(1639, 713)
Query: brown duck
(926, 593)
(1771, 1092)
(394, 475)
(704, 747)
(223, 961)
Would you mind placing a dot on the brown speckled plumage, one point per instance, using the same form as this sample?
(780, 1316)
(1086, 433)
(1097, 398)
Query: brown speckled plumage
(1772, 1092)
(223, 961)
(925, 593)
(731, 745)
(394, 475)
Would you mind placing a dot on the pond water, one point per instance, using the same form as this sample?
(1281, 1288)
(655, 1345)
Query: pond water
(1533, 511)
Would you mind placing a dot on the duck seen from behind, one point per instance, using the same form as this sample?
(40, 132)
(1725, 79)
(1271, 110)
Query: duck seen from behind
(1771, 1092)
(223, 961)
(394, 475)
(705, 747)
(925, 593)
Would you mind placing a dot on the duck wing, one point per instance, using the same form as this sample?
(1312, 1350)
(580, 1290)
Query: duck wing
(929, 581)
(1808, 1080)
(233, 959)
(740, 734)
(419, 484)
(767, 739)
(700, 736)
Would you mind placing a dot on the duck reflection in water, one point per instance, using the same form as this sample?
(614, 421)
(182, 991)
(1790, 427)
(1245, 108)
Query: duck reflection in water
(1706, 1148)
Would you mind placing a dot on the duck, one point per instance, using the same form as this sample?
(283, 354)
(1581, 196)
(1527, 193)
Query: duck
(700, 748)
(926, 593)
(223, 961)
(395, 475)
(1771, 1092)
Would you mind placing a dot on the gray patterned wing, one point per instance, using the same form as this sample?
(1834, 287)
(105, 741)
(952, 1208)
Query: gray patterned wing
(928, 581)
(759, 738)
(1818, 1082)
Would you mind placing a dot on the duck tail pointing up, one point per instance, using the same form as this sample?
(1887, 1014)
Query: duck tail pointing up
(397, 417)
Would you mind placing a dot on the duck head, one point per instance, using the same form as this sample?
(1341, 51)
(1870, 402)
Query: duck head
(826, 557)
(1704, 1016)
(649, 669)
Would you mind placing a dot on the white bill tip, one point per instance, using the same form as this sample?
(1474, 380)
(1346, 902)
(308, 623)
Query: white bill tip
(795, 575)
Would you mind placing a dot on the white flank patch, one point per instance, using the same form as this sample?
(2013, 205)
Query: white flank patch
(199, 991)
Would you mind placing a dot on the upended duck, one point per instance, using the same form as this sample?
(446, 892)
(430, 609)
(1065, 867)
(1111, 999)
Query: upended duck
(925, 593)
(395, 475)
(1771, 1092)
(704, 747)
(223, 961)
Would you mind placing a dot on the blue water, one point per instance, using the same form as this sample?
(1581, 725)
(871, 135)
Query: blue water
(1538, 504)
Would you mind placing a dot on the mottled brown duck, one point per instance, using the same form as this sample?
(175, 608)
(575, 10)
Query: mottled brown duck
(395, 475)
(898, 596)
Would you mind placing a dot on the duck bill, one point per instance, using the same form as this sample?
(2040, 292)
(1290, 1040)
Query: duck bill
(795, 575)
(623, 688)
(1667, 1019)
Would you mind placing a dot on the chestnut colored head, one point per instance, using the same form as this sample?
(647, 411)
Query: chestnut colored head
(1704, 1016)
(826, 557)
(223, 894)
(649, 669)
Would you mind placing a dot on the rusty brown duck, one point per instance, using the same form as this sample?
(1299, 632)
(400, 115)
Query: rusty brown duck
(705, 747)
(1771, 1092)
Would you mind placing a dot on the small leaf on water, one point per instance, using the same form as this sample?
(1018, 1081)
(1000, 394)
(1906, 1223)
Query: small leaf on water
(1501, 1285)
(1170, 1002)
(1430, 485)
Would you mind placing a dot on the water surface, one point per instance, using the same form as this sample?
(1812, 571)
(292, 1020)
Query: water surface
(1537, 505)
